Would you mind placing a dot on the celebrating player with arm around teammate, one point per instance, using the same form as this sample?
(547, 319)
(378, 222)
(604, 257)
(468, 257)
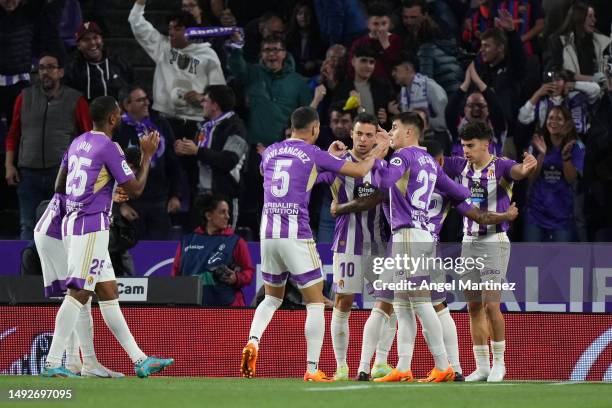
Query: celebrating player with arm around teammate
(88, 174)
(490, 181)
(290, 169)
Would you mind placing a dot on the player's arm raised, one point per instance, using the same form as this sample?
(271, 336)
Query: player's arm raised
(357, 205)
(524, 169)
(148, 146)
(488, 218)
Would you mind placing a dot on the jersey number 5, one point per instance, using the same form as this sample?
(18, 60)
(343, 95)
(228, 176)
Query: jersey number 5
(77, 177)
(282, 175)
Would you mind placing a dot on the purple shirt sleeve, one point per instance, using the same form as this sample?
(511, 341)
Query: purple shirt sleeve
(326, 177)
(504, 167)
(388, 173)
(454, 165)
(114, 160)
(64, 163)
(327, 161)
(454, 191)
(463, 207)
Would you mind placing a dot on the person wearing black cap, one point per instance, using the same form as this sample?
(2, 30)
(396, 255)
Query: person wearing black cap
(93, 70)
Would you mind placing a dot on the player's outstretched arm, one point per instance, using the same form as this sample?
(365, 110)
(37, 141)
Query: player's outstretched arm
(520, 171)
(60, 180)
(357, 170)
(489, 218)
(357, 205)
(148, 146)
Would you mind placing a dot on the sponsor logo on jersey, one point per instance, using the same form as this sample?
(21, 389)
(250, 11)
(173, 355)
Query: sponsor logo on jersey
(126, 168)
(396, 161)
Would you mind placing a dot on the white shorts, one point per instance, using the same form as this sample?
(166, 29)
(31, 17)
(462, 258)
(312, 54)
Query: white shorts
(282, 257)
(493, 251)
(352, 272)
(53, 264)
(88, 260)
(412, 244)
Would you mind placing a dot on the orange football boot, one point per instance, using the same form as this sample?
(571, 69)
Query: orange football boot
(319, 376)
(249, 359)
(396, 376)
(436, 376)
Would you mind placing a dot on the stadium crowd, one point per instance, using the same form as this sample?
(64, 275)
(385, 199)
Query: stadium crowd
(539, 75)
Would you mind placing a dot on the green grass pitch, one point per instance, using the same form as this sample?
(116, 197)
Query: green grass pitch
(292, 393)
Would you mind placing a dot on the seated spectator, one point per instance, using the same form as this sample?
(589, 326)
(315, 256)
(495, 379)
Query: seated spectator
(435, 52)
(528, 18)
(274, 90)
(47, 116)
(340, 21)
(304, 40)
(577, 46)
(221, 148)
(482, 105)
(373, 95)
(161, 196)
(550, 207)
(387, 46)
(417, 91)
(561, 90)
(182, 70)
(215, 254)
(93, 70)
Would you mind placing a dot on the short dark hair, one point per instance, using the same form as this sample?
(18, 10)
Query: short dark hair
(410, 59)
(365, 50)
(53, 54)
(378, 9)
(434, 148)
(207, 203)
(424, 111)
(183, 19)
(411, 118)
(415, 3)
(366, 118)
(302, 117)
(496, 35)
(338, 106)
(273, 39)
(222, 95)
(101, 108)
(126, 91)
(476, 130)
(132, 156)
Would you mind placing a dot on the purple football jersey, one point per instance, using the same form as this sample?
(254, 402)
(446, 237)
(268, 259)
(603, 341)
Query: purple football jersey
(438, 209)
(94, 164)
(411, 176)
(356, 233)
(290, 169)
(50, 223)
(490, 189)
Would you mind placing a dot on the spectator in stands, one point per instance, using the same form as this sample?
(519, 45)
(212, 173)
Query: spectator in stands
(417, 91)
(341, 21)
(577, 47)
(304, 39)
(386, 45)
(216, 254)
(332, 74)
(150, 212)
(481, 105)
(561, 89)
(182, 70)
(550, 208)
(47, 116)
(221, 148)
(528, 19)
(436, 53)
(25, 31)
(501, 64)
(373, 96)
(93, 70)
(269, 25)
(274, 90)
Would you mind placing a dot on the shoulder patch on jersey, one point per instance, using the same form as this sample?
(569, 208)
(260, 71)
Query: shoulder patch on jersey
(126, 168)
(396, 161)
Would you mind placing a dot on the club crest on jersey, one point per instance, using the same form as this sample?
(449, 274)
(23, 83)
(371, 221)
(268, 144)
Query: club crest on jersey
(364, 190)
(491, 173)
(396, 161)
(90, 280)
(341, 283)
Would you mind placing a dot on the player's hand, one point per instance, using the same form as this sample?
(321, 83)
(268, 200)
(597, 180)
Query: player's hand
(529, 163)
(260, 148)
(174, 205)
(193, 98)
(120, 196)
(512, 212)
(539, 143)
(185, 147)
(333, 208)
(128, 212)
(149, 143)
(382, 136)
(12, 175)
(337, 148)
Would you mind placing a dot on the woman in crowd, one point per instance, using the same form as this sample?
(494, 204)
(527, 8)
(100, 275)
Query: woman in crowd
(550, 207)
(303, 39)
(217, 255)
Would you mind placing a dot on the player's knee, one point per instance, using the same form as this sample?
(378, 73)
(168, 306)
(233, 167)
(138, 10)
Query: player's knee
(344, 302)
(475, 308)
(385, 307)
(273, 301)
(492, 309)
(107, 290)
(81, 295)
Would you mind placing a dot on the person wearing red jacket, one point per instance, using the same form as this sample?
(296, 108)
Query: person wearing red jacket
(216, 254)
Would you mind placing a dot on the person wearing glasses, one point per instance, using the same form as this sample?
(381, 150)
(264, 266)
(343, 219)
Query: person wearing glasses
(47, 116)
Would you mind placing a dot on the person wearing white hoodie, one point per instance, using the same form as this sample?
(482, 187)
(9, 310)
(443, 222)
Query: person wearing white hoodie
(182, 69)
